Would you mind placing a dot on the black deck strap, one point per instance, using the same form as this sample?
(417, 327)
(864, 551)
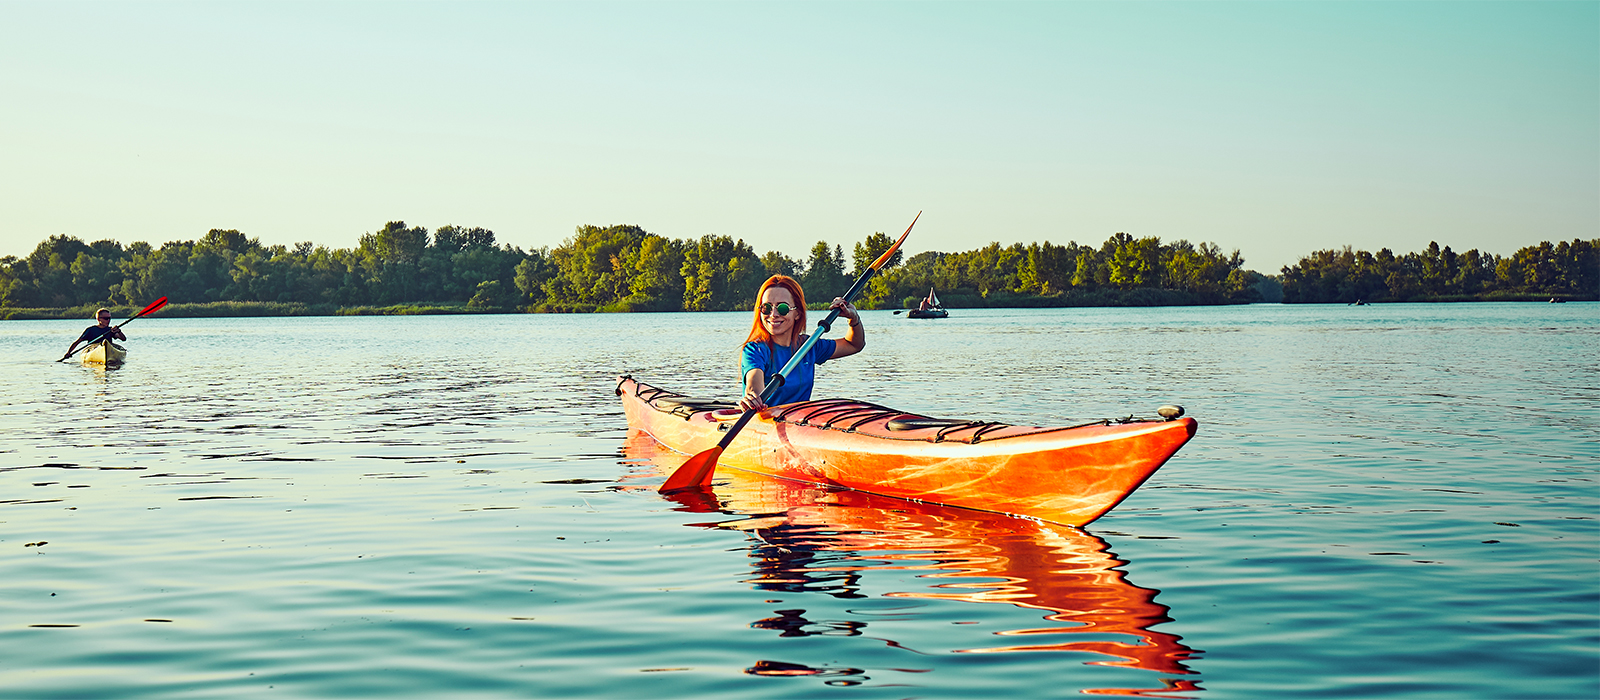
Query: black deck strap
(920, 423)
(686, 407)
(945, 432)
(664, 401)
(843, 414)
(695, 403)
(875, 415)
(871, 413)
(832, 411)
(649, 393)
(988, 428)
(823, 406)
(985, 429)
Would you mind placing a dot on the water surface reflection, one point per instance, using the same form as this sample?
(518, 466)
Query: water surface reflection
(806, 539)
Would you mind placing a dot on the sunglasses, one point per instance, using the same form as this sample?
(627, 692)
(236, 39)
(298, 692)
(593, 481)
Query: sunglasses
(783, 309)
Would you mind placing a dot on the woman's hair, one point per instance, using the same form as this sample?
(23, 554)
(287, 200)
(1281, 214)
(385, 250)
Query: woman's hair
(758, 332)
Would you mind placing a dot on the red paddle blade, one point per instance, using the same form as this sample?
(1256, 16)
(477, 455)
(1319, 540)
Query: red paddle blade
(878, 264)
(153, 306)
(695, 473)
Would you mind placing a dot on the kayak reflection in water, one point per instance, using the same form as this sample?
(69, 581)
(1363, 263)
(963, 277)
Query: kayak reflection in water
(95, 333)
(1070, 575)
(775, 334)
(806, 539)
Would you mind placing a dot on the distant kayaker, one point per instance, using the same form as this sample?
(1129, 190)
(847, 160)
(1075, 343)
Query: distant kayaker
(775, 334)
(101, 329)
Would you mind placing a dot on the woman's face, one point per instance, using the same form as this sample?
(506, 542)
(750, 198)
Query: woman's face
(778, 326)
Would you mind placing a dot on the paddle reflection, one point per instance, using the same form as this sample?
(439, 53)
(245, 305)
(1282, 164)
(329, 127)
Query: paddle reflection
(812, 540)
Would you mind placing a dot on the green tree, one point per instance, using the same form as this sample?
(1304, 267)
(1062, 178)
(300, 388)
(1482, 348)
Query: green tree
(390, 259)
(592, 266)
(1136, 262)
(720, 274)
(532, 273)
(824, 277)
(50, 270)
(1579, 262)
(869, 250)
(881, 291)
(492, 295)
(776, 263)
(93, 278)
(657, 283)
(1047, 270)
(12, 286)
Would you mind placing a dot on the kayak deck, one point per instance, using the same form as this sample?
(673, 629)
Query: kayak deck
(1069, 475)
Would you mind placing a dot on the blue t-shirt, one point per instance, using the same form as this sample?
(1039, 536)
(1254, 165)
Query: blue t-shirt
(797, 386)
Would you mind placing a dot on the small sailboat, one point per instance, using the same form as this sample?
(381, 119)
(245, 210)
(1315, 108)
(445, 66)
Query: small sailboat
(930, 307)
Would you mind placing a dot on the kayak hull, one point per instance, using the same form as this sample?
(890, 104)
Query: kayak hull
(1068, 475)
(930, 313)
(105, 352)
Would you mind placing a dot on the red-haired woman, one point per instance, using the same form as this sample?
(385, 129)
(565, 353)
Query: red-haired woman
(778, 331)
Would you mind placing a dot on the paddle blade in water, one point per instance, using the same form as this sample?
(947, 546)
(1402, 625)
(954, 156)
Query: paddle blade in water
(695, 473)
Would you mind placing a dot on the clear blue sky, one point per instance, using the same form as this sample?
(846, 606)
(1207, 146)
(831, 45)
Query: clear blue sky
(1271, 128)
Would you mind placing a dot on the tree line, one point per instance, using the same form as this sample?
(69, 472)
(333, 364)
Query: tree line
(397, 264)
(1563, 270)
(615, 268)
(626, 268)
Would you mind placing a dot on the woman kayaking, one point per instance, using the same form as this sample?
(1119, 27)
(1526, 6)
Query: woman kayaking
(101, 329)
(775, 334)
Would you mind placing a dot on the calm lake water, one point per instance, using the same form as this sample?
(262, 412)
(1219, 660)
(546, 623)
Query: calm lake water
(1388, 501)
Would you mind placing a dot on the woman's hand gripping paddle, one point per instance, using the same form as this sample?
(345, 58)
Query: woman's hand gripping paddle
(152, 308)
(697, 472)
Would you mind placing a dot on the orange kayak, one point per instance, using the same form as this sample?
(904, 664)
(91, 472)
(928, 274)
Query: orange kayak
(1067, 475)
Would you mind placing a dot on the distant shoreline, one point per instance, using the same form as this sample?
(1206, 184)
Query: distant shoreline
(263, 309)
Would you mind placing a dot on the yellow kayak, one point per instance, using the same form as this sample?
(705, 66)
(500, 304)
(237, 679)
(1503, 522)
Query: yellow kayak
(105, 352)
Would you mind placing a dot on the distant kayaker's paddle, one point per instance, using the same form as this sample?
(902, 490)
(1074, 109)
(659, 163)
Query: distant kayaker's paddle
(152, 308)
(697, 472)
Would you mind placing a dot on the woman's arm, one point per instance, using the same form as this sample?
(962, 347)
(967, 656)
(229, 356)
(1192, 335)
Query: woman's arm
(755, 382)
(855, 337)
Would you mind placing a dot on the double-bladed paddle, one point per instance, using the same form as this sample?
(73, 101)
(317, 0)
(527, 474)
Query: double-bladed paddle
(697, 472)
(154, 305)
